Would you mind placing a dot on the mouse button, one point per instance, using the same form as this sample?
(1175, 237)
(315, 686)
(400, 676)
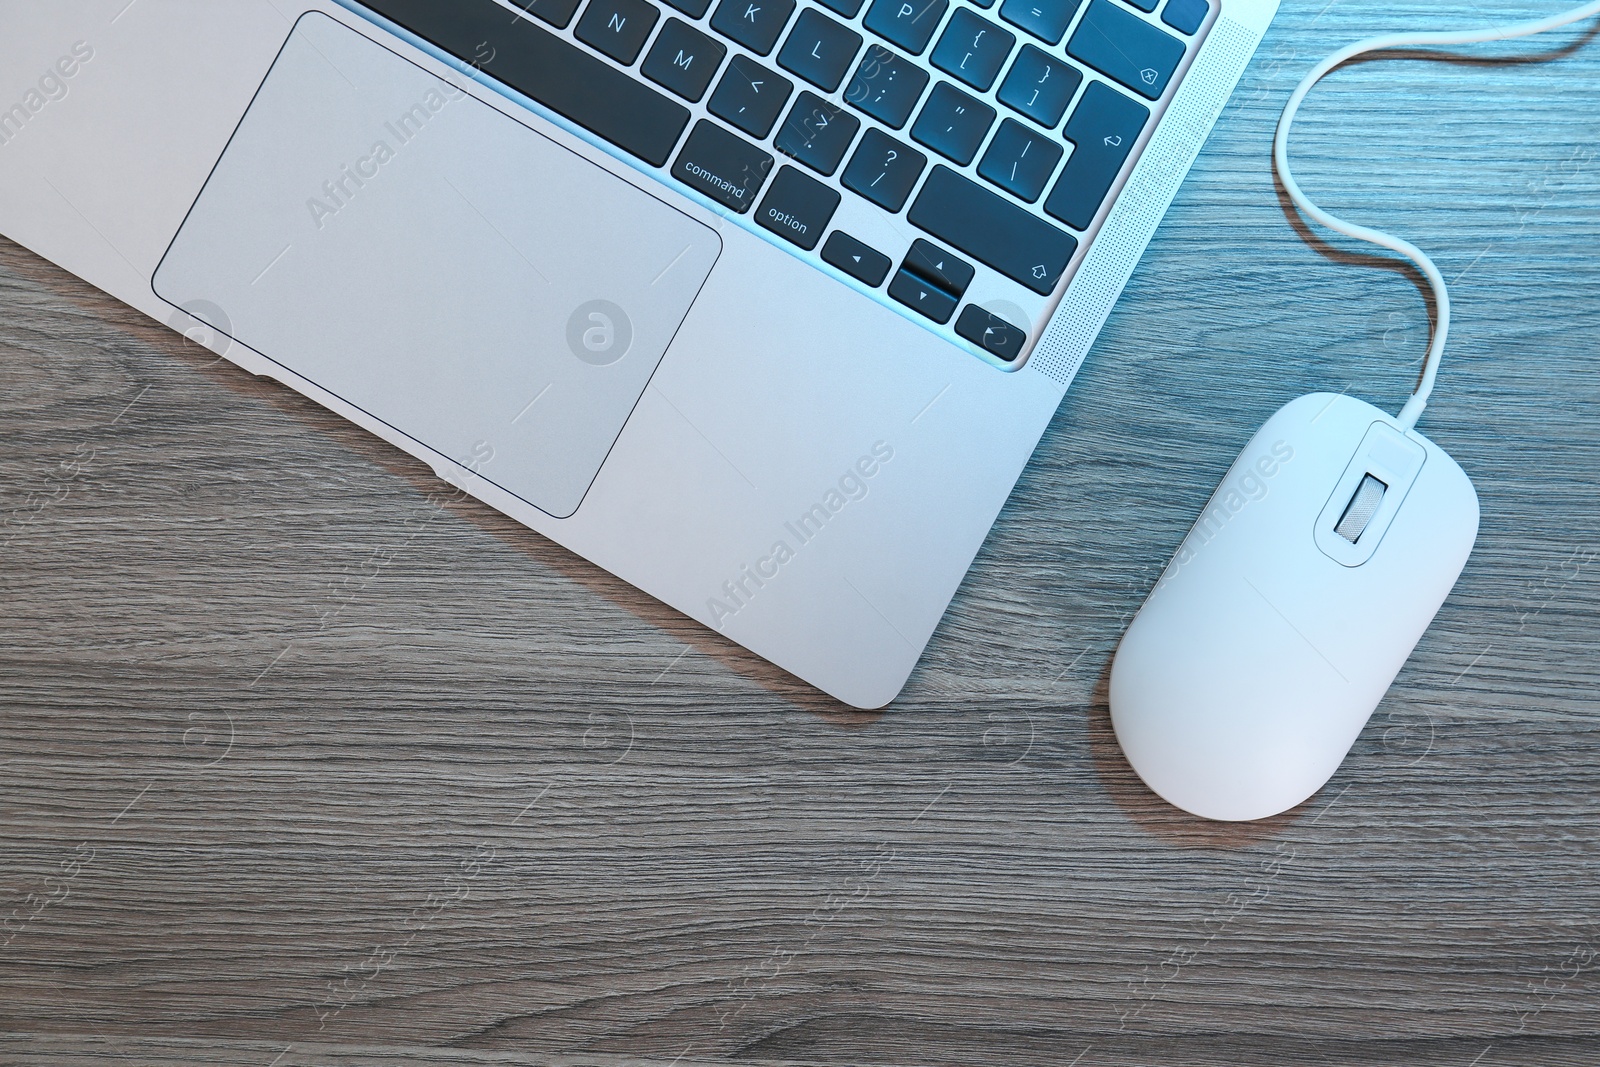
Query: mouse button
(1324, 420)
(1447, 510)
(1426, 548)
(1369, 495)
(1321, 409)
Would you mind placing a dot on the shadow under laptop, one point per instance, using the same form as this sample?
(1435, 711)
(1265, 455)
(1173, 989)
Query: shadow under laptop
(618, 593)
(218, 371)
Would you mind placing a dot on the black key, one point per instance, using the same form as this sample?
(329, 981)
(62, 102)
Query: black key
(693, 8)
(933, 264)
(953, 123)
(1020, 161)
(973, 49)
(750, 96)
(619, 28)
(886, 86)
(819, 50)
(726, 168)
(683, 59)
(1040, 86)
(756, 24)
(1146, 6)
(985, 4)
(883, 170)
(1127, 48)
(1102, 131)
(914, 292)
(816, 133)
(1186, 16)
(908, 23)
(536, 63)
(991, 333)
(1045, 19)
(864, 264)
(847, 8)
(797, 208)
(556, 12)
(992, 230)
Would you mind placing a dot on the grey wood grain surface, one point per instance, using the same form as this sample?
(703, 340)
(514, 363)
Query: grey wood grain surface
(305, 761)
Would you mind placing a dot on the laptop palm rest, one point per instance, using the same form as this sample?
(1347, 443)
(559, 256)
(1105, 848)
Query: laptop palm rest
(453, 273)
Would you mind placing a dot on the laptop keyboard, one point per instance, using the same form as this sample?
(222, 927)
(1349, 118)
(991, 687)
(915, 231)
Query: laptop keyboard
(953, 117)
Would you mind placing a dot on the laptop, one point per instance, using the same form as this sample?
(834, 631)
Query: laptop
(760, 305)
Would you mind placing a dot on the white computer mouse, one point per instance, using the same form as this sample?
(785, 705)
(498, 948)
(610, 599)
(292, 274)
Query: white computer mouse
(1281, 622)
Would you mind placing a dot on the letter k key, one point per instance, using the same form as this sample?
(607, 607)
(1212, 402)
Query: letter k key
(756, 24)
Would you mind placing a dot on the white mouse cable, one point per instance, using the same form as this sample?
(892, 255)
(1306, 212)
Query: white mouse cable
(1280, 157)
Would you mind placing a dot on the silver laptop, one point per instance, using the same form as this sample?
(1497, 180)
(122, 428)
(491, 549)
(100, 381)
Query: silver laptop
(761, 305)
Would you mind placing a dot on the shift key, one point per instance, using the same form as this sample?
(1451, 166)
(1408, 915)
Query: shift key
(992, 230)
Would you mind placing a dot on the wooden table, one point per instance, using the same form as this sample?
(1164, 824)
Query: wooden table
(304, 762)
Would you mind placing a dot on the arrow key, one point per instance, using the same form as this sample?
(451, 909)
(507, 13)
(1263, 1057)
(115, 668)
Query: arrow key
(863, 263)
(927, 260)
(991, 333)
(921, 295)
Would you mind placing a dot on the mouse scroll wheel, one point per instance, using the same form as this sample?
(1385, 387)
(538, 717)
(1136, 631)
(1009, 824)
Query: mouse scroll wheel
(1363, 506)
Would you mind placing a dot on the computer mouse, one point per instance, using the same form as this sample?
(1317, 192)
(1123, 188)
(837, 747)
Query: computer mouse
(1288, 610)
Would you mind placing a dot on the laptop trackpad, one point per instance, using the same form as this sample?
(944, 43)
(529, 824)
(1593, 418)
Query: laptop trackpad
(444, 268)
